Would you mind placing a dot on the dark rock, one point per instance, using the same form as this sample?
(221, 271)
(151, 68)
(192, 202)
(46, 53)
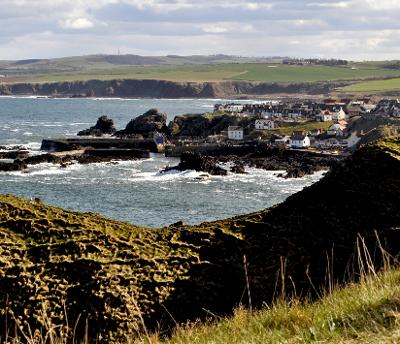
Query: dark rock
(146, 124)
(294, 173)
(297, 164)
(42, 158)
(17, 165)
(239, 168)
(198, 162)
(103, 126)
(14, 154)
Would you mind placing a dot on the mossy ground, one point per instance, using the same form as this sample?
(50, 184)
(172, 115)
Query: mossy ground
(116, 277)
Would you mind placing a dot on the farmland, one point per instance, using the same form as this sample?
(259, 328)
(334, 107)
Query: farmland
(374, 86)
(257, 72)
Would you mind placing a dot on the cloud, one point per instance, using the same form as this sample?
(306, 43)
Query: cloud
(356, 29)
(219, 28)
(76, 23)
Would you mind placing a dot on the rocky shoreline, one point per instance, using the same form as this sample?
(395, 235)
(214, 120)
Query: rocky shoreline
(297, 164)
(150, 133)
(65, 159)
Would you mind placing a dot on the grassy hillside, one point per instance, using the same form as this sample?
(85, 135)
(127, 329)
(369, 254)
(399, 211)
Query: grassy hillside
(257, 72)
(115, 278)
(364, 312)
(375, 86)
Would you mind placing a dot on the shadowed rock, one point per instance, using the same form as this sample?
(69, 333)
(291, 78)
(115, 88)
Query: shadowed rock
(146, 124)
(103, 126)
(198, 162)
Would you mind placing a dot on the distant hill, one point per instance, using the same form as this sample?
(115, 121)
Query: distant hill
(79, 63)
(371, 77)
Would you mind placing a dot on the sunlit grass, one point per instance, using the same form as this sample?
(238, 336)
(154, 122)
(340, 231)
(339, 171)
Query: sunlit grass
(219, 72)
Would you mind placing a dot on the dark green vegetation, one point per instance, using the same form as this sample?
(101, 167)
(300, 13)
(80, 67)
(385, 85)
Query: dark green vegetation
(205, 124)
(56, 263)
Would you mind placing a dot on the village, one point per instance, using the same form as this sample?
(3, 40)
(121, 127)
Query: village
(325, 125)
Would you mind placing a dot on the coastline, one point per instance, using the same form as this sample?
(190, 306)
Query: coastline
(132, 88)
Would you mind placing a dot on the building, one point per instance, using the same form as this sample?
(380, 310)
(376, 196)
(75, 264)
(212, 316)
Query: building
(339, 115)
(264, 124)
(299, 141)
(235, 133)
(228, 107)
(281, 140)
(325, 116)
(336, 130)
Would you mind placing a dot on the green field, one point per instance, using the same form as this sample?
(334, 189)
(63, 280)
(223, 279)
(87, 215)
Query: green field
(374, 86)
(259, 72)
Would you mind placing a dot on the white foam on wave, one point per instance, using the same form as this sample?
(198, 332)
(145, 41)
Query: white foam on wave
(78, 123)
(34, 146)
(169, 176)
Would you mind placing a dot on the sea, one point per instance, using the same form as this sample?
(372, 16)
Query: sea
(131, 191)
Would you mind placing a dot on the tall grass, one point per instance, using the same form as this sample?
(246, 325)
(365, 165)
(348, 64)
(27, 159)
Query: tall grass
(367, 310)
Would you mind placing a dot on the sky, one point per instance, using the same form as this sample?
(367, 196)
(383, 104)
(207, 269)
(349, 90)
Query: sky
(350, 29)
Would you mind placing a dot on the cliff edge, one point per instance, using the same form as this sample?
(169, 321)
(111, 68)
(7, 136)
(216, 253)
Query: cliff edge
(112, 277)
(126, 88)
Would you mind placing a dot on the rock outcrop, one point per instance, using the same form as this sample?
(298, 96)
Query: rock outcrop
(103, 126)
(16, 165)
(198, 162)
(146, 124)
(113, 276)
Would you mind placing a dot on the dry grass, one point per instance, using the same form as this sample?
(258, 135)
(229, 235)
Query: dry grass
(366, 311)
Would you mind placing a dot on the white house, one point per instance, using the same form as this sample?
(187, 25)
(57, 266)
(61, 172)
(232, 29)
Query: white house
(299, 141)
(264, 124)
(235, 133)
(233, 107)
(339, 115)
(325, 116)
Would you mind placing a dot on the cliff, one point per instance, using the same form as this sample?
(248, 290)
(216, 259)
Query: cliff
(163, 89)
(111, 275)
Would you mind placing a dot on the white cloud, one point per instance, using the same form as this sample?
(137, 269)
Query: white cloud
(337, 28)
(383, 4)
(341, 4)
(219, 28)
(76, 23)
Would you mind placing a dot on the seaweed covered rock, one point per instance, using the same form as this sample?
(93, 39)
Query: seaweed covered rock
(112, 276)
(103, 126)
(146, 124)
(198, 162)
